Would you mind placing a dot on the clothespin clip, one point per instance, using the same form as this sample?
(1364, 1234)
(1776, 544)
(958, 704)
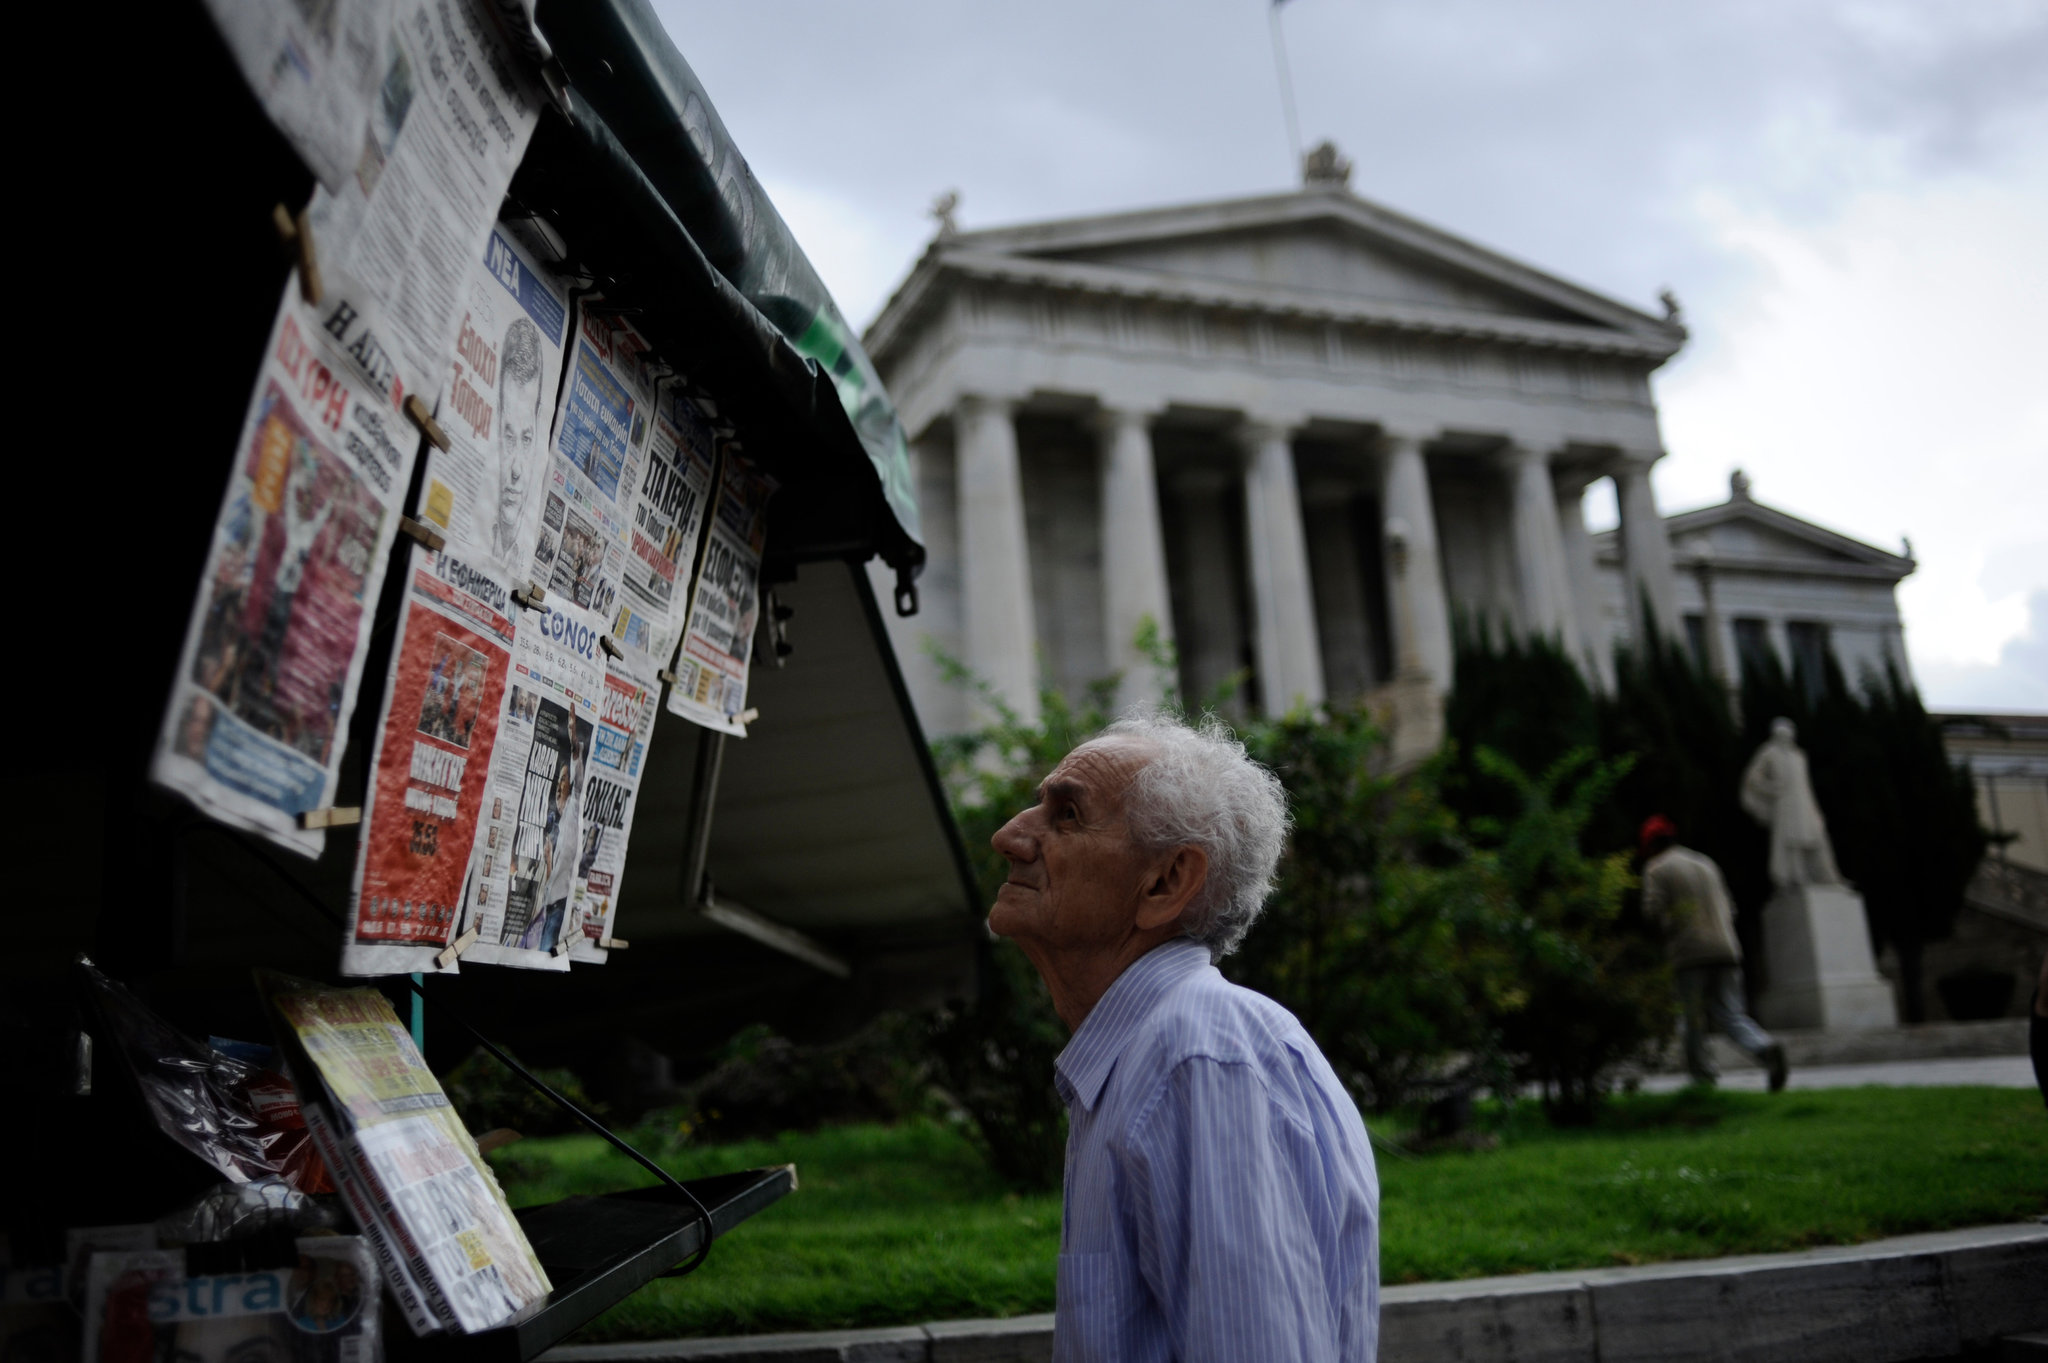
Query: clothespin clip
(532, 598)
(748, 715)
(334, 816)
(604, 641)
(428, 537)
(453, 951)
(665, 675)
(562, 947)
(424, 419)
(297, 233)
(613, 943)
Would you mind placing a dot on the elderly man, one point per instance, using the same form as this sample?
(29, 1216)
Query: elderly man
(1221, 1201)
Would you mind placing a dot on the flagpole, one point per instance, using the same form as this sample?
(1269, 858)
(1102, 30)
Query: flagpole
(1286, 84)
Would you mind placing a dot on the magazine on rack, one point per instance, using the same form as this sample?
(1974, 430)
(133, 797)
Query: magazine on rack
(148, 1306)
(444, 1235)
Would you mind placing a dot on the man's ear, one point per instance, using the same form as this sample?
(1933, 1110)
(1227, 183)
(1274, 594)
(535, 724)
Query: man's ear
(1171, 883)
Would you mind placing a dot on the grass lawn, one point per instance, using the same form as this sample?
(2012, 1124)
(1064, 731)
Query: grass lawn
(895, 1225)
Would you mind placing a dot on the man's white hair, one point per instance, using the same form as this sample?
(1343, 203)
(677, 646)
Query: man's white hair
(1201, 788)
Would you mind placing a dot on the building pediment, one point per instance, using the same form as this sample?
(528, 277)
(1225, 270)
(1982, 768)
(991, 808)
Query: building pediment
(1742, 534)
(1315, 252)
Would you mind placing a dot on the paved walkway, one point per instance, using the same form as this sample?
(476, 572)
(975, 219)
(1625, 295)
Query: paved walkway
(2000, 1071)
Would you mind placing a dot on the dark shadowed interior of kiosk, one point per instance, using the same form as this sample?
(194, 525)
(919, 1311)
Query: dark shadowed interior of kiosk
(807, 876)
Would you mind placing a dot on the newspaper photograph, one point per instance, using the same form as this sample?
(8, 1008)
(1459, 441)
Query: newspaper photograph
(625, 726)
(404, 1160)
(273, 653)
(668, 520)
(315, 70)
(455, 107)
(497, 402)
(523, 859)
(718, 641)
(601, 434)
(430, 770)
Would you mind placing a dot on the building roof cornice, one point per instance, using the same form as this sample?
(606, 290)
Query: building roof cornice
(1024, 248)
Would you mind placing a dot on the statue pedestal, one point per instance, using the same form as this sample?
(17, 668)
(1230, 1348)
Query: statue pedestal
(1817, 962)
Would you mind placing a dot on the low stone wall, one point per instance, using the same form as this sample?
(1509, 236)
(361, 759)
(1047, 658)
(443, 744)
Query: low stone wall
(1911, 1298)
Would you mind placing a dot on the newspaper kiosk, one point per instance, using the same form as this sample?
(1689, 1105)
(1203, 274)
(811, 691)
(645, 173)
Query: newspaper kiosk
(807, 874)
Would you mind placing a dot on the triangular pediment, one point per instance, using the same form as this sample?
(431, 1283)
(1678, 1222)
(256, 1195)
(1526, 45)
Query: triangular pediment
(1329, 245)
(1742, 531)
(1323, 257)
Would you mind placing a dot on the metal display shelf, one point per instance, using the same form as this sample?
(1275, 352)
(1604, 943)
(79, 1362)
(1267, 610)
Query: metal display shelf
(598, 1251)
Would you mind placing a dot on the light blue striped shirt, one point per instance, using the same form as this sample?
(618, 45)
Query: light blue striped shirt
(1221, 1201)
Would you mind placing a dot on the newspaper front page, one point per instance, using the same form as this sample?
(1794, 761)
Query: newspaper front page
(455, 107)
(497, 403)
(669, 508)
(711, 669)
(523, 861)
(625, 726)
(430, 772)
(273, 653)
(600, 439)
(411, 1171)
(314, 68)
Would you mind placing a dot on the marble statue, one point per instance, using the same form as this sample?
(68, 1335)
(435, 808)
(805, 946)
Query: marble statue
(1778, 793)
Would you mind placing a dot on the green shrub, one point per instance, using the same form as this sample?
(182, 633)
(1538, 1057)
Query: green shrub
(487, 1095)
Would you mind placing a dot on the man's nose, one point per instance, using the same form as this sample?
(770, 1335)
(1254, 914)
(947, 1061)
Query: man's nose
(1013, 841)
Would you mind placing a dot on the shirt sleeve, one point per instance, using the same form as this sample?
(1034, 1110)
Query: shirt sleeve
(1656, 895)
(1219, 1182)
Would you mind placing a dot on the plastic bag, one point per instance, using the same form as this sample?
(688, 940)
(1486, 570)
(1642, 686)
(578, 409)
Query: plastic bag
(241, 1118)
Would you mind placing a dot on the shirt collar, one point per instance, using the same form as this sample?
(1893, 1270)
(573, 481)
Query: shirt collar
(1083, 1067)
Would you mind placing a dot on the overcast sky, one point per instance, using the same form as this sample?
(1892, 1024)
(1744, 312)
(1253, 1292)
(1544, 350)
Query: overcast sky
(1850, 199)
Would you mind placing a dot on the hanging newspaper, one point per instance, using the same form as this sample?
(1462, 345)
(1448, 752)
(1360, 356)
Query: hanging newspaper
(625, 725)
(273, 654)
(523, 860)
(142, 1306)
(314, 68)
(667, 522)
(442, 1230)
(711, 670)
(455, 108)
(429, 776)
(497, 401)
(600, 440)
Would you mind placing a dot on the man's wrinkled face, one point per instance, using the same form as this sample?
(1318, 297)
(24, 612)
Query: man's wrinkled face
(1075, 876)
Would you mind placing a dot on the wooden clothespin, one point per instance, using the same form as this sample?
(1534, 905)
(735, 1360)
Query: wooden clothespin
(604, 641)
(428, 537)
(453, 951)
(664, 675)
(334, 816)
(613, 943)
(749, 715)
(297, 233)
(424, 419)
(533, 597)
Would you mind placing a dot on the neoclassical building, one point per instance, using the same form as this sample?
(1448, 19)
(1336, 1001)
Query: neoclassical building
(1297, 431)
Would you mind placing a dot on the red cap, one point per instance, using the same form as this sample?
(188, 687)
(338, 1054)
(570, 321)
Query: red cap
(1654, 827)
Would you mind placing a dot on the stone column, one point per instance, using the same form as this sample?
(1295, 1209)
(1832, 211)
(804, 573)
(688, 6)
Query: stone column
(1645, 551)
(1583, 576)
(1134, 582)
(1421, 608)
(1539, 548)
(1283, 604)
(995, 564)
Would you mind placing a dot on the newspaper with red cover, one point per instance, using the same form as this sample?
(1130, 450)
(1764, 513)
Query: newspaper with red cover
(273, 655)
(718, 641)
(524, 857)
(431, 768)
(625, 726)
